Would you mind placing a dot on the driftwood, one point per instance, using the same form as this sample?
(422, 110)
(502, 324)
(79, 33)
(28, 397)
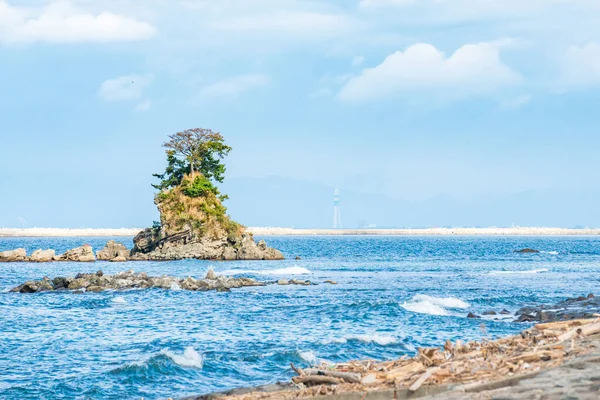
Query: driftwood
(477, 364)
(582, 331)
(347, 376)
(316, 380)
(415, 386)
(564, 324)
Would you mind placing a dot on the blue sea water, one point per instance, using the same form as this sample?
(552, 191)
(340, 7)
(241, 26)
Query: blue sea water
(394, 295)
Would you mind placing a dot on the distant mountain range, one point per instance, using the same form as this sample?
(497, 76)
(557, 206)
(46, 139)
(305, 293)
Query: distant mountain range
(284, 202)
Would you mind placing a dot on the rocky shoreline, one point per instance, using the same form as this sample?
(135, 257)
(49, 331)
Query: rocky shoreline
(99, 282)
(215, 250)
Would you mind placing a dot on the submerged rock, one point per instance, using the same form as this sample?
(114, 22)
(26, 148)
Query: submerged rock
(98, 282)
(471, 315)
(527, 251)
(112, 251)
(13, 255)
(575, 308)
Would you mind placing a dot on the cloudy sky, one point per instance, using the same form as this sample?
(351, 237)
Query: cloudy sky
(411, 99)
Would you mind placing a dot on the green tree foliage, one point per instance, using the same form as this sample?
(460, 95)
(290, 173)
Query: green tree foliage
(174, 173)
(200, 186)
(200, 150)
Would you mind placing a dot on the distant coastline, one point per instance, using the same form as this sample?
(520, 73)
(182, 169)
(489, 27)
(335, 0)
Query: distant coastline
(270, 231)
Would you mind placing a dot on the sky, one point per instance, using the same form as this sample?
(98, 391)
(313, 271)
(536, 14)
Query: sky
(409, 100)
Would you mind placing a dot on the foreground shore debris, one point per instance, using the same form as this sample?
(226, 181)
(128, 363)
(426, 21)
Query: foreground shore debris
(456, 366)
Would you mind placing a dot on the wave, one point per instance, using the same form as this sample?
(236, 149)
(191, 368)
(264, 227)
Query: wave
(533, 271)
(309, 356)
(381, 340)
(281, 271)
(189, 358)
(431, 305)
(554, 253)
(119, 300)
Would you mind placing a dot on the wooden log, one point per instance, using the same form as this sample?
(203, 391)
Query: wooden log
(415, 386)
(411, 368)
(299, 371)
(316, 380)
(586, 330)
(347, 376)
(564, 324)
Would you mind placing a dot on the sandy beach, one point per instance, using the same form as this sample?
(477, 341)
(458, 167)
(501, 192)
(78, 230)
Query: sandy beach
(516, 231)
(65, 232)
(272, 231)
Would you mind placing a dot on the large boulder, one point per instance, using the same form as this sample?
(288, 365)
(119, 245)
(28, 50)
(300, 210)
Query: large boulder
(13, 255)
(112, 250)
(79, 254)
(43, 256)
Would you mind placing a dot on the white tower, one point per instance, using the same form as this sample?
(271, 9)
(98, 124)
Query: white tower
(337, 219)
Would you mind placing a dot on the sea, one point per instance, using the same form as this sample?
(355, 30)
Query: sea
(394, 294)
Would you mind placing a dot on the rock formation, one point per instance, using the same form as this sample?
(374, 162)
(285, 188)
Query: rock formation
(43, 256)
(79, 254)
(194, 224)
(113, 251)
(99, 282)
(13, 255)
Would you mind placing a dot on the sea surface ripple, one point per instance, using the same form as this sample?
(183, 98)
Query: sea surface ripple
(394, 295)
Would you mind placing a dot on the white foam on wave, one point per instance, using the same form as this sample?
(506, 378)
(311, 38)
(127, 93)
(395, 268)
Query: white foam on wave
(533, 271)
(175, 286)
(281, 271)
(119, 300)
(382, 340)
(554, 253)
(424, 304)
(189, 358)
(311, 357)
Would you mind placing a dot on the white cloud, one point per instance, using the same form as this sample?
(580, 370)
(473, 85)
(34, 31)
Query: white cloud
(358, 60)
(125, 88)
(61, 22)
(143, 105)
(516, 102)
(472, 69)
(284, 24)
(581, 66)
(233, 87)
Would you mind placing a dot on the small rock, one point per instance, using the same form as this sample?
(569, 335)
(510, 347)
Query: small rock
(527, 251)
(331, 282)
(505, 312)
(590, 296)
(210, 274)
(298, 258)
(112, 250)
(283, 282)
(99, 273)
(471, 315)
(490, 312)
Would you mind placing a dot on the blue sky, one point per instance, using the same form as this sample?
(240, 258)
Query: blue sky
(408, 99)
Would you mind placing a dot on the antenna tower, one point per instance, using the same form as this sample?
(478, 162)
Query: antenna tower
(337, 219)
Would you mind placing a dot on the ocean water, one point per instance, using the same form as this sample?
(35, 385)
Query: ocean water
(394, 295)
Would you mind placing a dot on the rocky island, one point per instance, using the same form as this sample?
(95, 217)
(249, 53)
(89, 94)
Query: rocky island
(193, 220)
